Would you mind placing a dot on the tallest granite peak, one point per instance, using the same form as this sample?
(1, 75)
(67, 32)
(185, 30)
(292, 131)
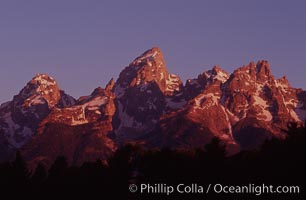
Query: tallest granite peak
(147, 68)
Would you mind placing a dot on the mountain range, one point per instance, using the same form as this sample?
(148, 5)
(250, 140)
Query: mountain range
(150, 107)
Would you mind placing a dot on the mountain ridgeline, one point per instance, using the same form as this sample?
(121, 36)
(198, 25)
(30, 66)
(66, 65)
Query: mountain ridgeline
(150, 107)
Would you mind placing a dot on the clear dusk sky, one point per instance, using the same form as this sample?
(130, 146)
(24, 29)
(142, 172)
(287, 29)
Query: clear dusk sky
(82, 44)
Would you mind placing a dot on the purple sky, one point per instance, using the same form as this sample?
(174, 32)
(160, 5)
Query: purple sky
(82, 44)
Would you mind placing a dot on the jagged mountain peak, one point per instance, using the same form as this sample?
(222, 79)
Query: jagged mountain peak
(43, 89)
(150, 106)
(96, 91)
(65, 100)
(216, 69)
(212, 78)
(20, 117)
(248, 69)
(148, 69)
(264, 71)
(263, 65)
(39, 90)
(150, 66)
(43, 76)
(144, 90)
(283, 81)
(110, 85)
(259, 73)
(42, 80)
(152, 55)
(145, 68)
(216, 73)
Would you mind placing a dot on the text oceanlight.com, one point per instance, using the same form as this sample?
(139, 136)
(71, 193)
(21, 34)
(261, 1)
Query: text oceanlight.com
(255, 189)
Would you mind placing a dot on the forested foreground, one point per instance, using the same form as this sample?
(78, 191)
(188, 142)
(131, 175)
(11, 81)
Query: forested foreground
(278, 162)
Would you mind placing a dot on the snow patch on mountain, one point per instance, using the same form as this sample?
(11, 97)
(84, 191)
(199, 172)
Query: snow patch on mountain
(126, 121)
(228, 122)
(146, 57)
(13, 131)
(205, 101)
(264, 113)
(216, 74)
(172, 83)
(78, 117)
(96, 102)
(34, 100)
(44, 80)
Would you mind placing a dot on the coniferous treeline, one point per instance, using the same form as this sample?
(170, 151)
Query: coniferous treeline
(278, 162)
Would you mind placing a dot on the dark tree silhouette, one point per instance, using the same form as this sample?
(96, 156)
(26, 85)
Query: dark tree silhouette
(20, 170)
(277, 162)
(58, 171)
(40, 174)
(215, 150)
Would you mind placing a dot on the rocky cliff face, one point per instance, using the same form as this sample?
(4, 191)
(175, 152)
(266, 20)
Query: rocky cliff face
(20, 117)
(79, 132)
(242, 109)
(149, 106)
(144, 91)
